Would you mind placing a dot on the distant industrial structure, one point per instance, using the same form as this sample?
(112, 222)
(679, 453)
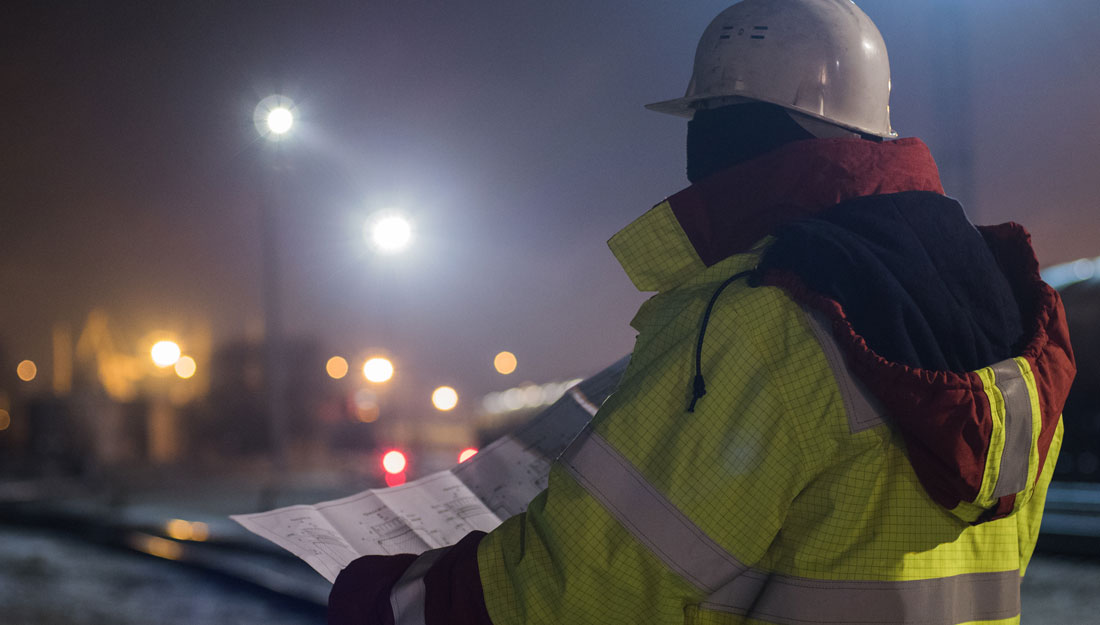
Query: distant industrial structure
(107, 403)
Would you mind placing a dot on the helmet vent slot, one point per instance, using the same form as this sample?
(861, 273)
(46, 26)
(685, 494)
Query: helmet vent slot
(759, 32)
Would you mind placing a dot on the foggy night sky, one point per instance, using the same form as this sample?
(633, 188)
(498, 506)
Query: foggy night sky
(513, 132)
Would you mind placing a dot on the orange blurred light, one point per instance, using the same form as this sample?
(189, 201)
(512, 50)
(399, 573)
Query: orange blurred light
(378, 370)
(187, 530)
(367, 414)
(178, 529)
(186, 367)
(200, 531)
(394, 462)
(155, 546)
(466, 454)
(366, 406)
(27, 370)
(505, 363)
(395, 479)
(444, 398)
(165, 353)
(336, 367)
(5, 420)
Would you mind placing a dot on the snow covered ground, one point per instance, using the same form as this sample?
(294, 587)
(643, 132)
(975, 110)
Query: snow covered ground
(51, 580)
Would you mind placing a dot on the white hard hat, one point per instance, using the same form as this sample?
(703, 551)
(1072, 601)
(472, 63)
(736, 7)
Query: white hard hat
(821, 58)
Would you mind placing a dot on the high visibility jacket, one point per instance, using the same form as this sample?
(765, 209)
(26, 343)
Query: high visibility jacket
(760, 462)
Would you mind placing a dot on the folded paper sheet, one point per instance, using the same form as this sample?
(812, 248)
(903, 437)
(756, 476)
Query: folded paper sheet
(441, 508)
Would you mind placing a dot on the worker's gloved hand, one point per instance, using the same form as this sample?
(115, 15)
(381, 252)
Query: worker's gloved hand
(361, 593)
(453, 593)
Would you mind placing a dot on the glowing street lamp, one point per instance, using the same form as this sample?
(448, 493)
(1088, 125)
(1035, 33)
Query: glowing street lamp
(165, 353)
(505, 363)
(445, 398)
(186, 367)
(274, 117)
(26, 370)
(389, 232)
(279, 120)
(336, 367)
(378, 370)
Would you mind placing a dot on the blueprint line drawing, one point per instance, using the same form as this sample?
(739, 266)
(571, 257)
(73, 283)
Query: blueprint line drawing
(305, 533)
(437, 510)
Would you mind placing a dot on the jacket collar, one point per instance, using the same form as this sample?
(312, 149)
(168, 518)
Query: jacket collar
(726, 213)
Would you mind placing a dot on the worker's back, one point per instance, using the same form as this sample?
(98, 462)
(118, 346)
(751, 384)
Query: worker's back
(813, 480)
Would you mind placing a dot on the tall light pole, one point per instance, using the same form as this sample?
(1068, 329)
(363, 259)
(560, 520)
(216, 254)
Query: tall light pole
(274, 118)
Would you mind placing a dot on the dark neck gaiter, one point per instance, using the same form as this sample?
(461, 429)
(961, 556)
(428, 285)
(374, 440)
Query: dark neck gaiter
(723, 137)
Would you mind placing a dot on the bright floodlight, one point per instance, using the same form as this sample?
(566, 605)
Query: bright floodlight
(466, 454)
(390, 233)
(279, 120)
(378, 370)
(445, 398)
(165, 353)
(274, 117)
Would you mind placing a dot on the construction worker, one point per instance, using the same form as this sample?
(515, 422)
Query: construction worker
(844, 401)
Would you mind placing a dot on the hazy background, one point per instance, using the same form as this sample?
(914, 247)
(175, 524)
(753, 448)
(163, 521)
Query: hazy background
(131, 174)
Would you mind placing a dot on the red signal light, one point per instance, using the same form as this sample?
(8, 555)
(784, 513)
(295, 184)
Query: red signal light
(394, 462)
(466, 454)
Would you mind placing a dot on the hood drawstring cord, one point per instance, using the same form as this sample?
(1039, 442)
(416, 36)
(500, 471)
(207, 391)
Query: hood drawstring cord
(699, 387)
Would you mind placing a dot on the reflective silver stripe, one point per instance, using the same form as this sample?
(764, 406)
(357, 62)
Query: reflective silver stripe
(786, 600)
(582, 401)
(860, 407)
(651, 518)
(407, 596)
(941, 601)
(1012, 475)
(598, 387)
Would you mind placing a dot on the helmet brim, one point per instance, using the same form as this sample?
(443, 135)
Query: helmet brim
(686, 107)
(680, 107)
